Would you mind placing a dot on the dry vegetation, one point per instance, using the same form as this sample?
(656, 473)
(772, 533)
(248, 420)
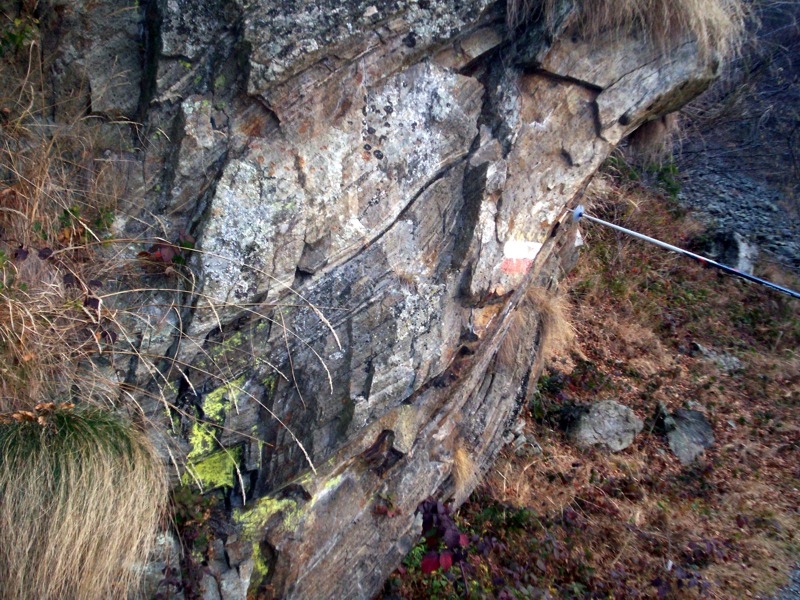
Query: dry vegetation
(74, 294)
(466, 473)
(82, 490)
(82, 494)
(554, 521)
(51, 314)
(540, 310)
(716, 25)
(653, 142)
(68, 472)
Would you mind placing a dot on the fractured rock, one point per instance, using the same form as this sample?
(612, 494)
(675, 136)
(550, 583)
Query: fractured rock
(373, 187)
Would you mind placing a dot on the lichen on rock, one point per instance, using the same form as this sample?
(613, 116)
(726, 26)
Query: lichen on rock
(372, 188)
(216, 470)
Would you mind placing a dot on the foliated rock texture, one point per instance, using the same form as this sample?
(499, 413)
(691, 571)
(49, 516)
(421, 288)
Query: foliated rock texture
(371, 187)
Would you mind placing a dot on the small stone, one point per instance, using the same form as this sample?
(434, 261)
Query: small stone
(230, 586)
(608, 424)
(726, 362)
(210, 588)
(245, 573)
(689, 434)
(237, 550)
(166, 556)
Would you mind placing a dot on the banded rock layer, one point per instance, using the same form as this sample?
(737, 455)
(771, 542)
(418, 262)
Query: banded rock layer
(372, 187)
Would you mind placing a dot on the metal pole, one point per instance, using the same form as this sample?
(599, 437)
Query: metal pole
(580, 213)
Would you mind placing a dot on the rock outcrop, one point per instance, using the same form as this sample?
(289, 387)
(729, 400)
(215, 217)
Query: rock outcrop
(372, 187)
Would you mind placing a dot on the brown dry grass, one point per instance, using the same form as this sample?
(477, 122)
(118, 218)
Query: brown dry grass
(82, 489)
(652, 142)
(81, 495)
(541, 313)
(57, 201)
(733, 518)
(580, 523)
(716, 25)
(466, 473)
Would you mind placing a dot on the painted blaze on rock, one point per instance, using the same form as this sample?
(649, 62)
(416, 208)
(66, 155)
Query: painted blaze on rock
(413, 202)
(402, 166)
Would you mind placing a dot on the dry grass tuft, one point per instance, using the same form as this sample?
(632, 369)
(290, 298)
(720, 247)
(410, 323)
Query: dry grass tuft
(716, 25)
(49, 325)
(653, 141)
(466, 474)
(80, 498)
(541, 310)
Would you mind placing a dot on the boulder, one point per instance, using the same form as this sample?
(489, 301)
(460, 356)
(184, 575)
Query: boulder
(608, 425)
(725, 361)
(728, 247)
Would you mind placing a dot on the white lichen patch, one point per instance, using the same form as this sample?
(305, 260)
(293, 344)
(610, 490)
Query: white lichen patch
(284, 41)
(253, 238)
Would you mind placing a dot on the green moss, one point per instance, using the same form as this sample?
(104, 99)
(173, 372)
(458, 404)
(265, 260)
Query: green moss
(333, 482)
(327, 487)
(219, 83)
(255, 519)
(202, 440)
(260, 568)
(269, 383)
(227, 344)
(215, 404)
(215, 471)
(253, 522)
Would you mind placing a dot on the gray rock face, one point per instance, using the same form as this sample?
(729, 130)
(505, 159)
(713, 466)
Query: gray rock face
(165, 562)
(689, 433)
(372, 187)
(608, 424)
(96, 57)
(727, 197)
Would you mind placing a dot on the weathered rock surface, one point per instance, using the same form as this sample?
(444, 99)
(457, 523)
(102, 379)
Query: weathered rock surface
(730, 248)
(725, 361)
(372, 187)
(608, 425)
(744, 176)
(689, 434)
(165, 563)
